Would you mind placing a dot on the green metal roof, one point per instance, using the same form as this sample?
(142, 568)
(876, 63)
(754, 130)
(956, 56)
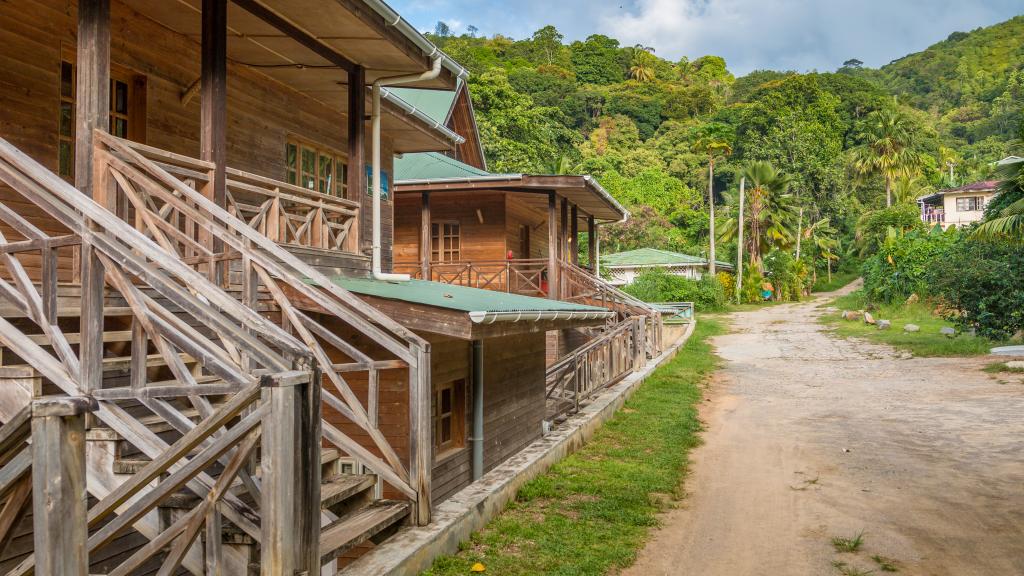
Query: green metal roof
(433, 165)
(434, 103)
(654, 257)
(461, 298)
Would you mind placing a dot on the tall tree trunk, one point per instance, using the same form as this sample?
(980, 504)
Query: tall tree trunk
(711, 206)
(888, 191)
(799, 231)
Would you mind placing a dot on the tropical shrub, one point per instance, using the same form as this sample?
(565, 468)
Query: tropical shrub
(786, 274)
(901, 265)
(982, 283)
(750, 292)
(657, 285)
(728, 282)
(873, 226)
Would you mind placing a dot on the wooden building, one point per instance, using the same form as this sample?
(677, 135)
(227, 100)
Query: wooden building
(194, 328)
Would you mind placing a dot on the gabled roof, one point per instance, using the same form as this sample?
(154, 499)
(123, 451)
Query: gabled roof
(433, 166)
(654, 257)
(1009, 160)
(980, 186)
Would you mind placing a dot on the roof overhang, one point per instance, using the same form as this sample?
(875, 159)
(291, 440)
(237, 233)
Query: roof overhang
(311, 46)
(582, 190)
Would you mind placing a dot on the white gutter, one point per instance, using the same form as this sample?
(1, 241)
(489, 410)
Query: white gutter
(395, 20)
(434, 72)
(485, 317)
(422, 116)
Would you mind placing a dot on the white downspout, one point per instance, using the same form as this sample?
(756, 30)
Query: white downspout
(434, 72)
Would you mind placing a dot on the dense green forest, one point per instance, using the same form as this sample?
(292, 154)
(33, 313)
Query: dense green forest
(823, 153)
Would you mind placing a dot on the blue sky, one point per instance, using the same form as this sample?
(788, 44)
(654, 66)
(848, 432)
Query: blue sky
(797, 35)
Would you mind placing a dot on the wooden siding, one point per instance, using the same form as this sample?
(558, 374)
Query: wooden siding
(262, 113)
(480, 240)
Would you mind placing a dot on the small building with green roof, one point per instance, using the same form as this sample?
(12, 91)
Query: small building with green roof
(624, 267)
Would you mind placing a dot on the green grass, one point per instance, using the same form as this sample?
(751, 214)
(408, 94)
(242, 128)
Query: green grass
(927, 342)
(839, 279)
(848, 544)
(885, 564)
(592, 511)
(1001, 367)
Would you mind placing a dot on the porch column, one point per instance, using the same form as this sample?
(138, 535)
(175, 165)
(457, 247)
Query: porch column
(356, 183)
(92, 112)
(213, 83)
(425, 236)
(592, 244)
(552, 247)
(92, 108)
(574, 236)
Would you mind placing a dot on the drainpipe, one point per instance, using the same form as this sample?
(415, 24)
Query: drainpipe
(477, 439)
(434, 72)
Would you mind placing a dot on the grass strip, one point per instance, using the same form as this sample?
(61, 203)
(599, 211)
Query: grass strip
(592, 511)
(928, 341)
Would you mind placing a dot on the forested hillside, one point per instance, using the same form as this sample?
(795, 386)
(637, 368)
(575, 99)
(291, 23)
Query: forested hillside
(837, 144)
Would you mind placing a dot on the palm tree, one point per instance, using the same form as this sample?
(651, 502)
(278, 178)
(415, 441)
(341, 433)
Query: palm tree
(1007, 223)
(908, 190)
(822, 238)
(769, 212)
(885, 148)
(712, 146)
(642, 69)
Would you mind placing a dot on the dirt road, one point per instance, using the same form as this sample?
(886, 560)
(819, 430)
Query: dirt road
(811, 437)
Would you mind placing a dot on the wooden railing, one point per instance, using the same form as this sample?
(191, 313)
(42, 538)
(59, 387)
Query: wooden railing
(600, 363)
(196, 360)
(157, 187)
(517, 276)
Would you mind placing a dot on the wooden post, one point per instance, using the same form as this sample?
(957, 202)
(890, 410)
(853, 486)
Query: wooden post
(574, 236)
(357, 158)
(214, 123)
(290, 507)
(92, 99)
(421, 443)
(592, 244)
(425, 236)
(563, 232)
(59, 509)
(552, 248)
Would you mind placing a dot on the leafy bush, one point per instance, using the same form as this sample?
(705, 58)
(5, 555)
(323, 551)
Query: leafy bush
(983, 283)
(728, 282)
(786, 274)
(657, 285)
(750, 292)
(900, 266)
(874, 226)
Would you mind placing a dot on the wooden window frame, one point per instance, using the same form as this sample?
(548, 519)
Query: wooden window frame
(297, 174)
(439, 232)
(455, 416)
(132, 115)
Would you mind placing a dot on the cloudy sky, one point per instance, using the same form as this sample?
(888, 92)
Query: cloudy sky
(797, 35)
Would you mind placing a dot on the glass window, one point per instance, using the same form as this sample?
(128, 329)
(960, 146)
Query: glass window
(445, 241)
(315, 168)
(449, 414)
(120, 107)
(970, 204)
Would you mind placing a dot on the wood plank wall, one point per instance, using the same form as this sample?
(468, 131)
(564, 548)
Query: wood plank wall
(480, 241)
(262, 113)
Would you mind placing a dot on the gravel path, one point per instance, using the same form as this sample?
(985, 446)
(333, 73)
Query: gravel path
(811, 437)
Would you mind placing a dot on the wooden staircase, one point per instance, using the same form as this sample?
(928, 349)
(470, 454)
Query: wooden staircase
(181, 373)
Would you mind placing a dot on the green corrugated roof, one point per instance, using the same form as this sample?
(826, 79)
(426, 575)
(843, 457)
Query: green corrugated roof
(653, 257)
(453, 297)
(433, 165)
(433, 103)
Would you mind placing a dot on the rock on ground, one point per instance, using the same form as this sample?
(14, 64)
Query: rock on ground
(911, 328)
(884, 324)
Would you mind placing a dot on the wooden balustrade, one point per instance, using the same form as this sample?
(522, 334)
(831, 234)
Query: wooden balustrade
(195, 358)
(162, 199)
(517, 276)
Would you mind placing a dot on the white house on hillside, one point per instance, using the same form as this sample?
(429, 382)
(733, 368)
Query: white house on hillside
(962, 205)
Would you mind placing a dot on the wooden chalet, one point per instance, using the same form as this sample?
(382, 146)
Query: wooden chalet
(459, 224)
(207, 364)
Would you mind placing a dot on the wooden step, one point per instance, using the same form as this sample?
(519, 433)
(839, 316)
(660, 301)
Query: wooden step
(360, 526)
(337, 490)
